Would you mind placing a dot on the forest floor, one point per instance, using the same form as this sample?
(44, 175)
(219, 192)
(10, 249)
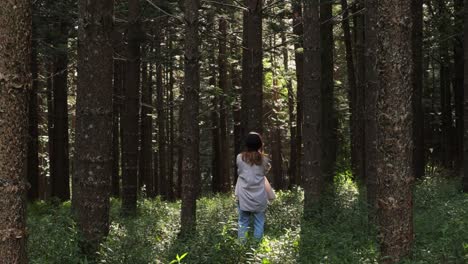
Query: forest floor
(341, 233)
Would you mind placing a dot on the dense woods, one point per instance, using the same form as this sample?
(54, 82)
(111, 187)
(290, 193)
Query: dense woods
(123, 116)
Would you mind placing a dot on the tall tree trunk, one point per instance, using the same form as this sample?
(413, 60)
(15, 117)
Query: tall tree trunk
(446, 104)
(458, 88)
(311, 170)
(129, 117)
(117, 105)
(15, 86)
(370, 102)
(180, 156)
(236, 109)
(252, 68)
(394, 130)
(359, 132)
(215, 131)
(50, 127)
(418, 124)
(465, 100)
(33, 116)
(171, 105)
(275, 131)
(298, 30)
(170, 173)
(352, 89)
(61, 178)
(162, 180)
(292, 170)
(93, 158)
(190, 108)
(146, 149)
(223, 106)
(329, 119)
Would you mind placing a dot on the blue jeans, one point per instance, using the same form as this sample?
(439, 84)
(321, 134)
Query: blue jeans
(244, 222)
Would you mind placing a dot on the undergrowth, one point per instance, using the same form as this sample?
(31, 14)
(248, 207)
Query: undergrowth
(340, 233)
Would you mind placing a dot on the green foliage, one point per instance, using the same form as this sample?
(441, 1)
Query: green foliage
(338, 234)
(53, 236)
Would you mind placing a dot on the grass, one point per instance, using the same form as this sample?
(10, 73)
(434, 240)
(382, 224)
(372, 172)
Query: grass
(340, 234)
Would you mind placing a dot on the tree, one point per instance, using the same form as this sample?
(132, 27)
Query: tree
(444, 83)
(418, 128)
(458, 86)
(223, 105)
(93, 146)
(33, 138)
(190, 108)
(162, 179)
(329, 119)
(118, 84)
(252, 68)
(370, 101)
(60, 172)
(129, 117)
(298, 31)
(146, 149)
(358, 101)
(352, 88)
(15, 85)
(292, 170)
(394, 130)
(311, 170)
(465, 109)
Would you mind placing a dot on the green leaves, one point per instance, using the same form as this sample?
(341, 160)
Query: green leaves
(179, 259)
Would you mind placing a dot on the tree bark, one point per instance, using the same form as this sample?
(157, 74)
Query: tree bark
(33, 116)
(359, 132)
(418, 124)
(445, 93)
(171, 105)
(15, 86)
(252, 68)
(370, 95)
(50, 127)
(458, 88)
(215, 130)
(93, 158)
(162, 180)
(223, 107)
(312, 174)
(171, 187)
(60, 185)
(116, 135)
(329, 119)
(129, 118)
(394, 128)
(465, 102)
(146, 149)
(298, 30)
(190, 110)
(292, 170)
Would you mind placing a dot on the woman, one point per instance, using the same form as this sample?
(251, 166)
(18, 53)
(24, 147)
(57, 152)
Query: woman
(251, 192)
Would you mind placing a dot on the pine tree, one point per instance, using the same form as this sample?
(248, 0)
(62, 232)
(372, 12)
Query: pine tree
(190, 108)
(311, 170)
(394, 111)
(93, 146)
(15, 85)
(252, 68)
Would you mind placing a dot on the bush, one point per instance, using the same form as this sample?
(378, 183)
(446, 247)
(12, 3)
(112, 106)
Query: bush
(338, 234)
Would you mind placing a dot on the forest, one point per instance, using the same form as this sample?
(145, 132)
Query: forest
(120, 123)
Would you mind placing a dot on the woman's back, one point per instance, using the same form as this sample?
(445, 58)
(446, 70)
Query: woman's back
(250, 187)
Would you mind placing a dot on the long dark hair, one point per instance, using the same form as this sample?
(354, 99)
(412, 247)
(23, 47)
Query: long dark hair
(253, 153)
